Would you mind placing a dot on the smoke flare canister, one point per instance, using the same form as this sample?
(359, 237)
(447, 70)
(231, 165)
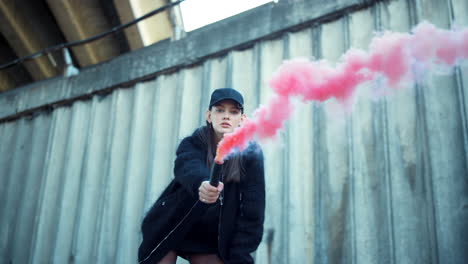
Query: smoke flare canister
(215, 174)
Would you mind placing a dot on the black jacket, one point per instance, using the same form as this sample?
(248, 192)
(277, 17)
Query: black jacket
(177, 209)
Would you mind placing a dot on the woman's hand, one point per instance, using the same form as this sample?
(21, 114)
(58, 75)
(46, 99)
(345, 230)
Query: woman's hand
(209, 194)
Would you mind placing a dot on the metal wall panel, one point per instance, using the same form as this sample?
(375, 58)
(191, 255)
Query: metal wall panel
(271, 55)
(301, 164)
(382, 179)
(443, 114)
(28, 207)
(136, 172)
(46, 217)
(13, 180)
(69, 194)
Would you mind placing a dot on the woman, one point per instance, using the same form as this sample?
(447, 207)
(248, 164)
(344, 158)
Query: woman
(200, 222)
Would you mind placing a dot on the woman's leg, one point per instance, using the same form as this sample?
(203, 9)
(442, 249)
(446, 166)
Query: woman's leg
(204, 259)
(170, 258)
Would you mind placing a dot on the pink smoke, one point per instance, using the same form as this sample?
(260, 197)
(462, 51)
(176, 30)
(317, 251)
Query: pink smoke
(390, 55)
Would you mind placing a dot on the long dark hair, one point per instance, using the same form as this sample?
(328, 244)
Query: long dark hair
(232, 169)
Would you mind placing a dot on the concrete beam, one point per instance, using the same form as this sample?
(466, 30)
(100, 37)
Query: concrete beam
(26, 37)
(125, 11)
(149, 31)
(6, 55)
(14, 76)
(6, 82)
(81, 19)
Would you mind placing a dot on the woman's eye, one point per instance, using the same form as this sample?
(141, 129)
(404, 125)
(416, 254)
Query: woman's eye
(235, 112)
(219, 110)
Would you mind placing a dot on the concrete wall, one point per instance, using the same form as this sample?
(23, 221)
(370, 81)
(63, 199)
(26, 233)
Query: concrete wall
(83, 158)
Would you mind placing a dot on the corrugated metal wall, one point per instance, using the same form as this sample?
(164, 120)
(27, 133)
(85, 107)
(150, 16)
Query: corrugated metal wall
(386, 184)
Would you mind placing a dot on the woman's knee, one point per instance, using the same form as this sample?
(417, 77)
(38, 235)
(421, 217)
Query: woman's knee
(170, 258)
(204, 258)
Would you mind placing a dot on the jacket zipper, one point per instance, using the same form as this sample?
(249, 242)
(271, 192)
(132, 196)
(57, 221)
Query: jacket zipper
(169, 234)
(221, 197)
(241, 206)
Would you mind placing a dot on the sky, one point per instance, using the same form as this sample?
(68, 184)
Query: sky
(199, 13)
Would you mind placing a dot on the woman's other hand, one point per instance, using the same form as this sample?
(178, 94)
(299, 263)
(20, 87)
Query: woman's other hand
(208, 193)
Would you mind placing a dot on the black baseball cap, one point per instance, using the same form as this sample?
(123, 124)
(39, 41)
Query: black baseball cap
(226, 93)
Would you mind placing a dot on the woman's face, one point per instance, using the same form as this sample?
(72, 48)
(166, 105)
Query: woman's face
(225, 117)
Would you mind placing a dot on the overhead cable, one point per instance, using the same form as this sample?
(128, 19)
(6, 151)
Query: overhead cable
(90, 39)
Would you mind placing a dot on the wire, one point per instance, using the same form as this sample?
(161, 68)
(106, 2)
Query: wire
(90, 39)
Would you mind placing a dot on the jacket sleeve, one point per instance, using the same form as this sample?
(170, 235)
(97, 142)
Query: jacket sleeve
(190, 168)
(249, 224)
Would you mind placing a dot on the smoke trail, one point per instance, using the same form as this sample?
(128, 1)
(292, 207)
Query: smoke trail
(390, 55)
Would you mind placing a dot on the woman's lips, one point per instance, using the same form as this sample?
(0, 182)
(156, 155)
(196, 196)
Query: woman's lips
(225, 125)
